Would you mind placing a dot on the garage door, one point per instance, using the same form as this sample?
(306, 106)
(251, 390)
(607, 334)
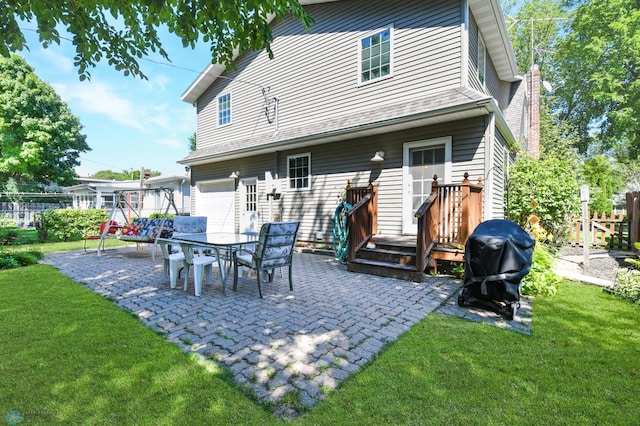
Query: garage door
(216, 200)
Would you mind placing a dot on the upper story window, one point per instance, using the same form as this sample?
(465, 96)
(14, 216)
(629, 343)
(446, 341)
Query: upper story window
(482, 60)
(376, 56)
(299, 171)
(224, 109)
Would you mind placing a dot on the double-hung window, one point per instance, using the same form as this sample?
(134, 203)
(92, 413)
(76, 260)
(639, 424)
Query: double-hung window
(224, 109)
(375, 52)
(299, 171)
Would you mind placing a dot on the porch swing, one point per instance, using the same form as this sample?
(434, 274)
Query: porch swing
(140, 229)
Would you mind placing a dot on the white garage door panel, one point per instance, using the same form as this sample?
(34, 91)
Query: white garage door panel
(216, 200)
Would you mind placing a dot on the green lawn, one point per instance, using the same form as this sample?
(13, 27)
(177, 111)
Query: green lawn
(28, 240)
(69, 356)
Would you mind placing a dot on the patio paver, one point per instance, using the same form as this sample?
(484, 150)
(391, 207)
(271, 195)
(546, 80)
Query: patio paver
(306, 341)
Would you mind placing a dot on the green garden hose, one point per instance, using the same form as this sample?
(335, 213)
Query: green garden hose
(341, 232)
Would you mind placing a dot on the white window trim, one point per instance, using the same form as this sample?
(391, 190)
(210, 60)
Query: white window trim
(447, 141)
(307, 154)
(391, 55)
(218, 109)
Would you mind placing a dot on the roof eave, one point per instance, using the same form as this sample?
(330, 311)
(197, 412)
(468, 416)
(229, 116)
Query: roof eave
(490, 19)
(471, 109)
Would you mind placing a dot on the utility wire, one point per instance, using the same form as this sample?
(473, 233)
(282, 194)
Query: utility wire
(169, 64)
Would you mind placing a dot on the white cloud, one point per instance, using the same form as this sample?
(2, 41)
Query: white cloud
(100, 98)
(158, 83)
(57, 61)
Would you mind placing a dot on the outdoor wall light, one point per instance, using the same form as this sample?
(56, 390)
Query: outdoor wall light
(235, 174)
(378, 157)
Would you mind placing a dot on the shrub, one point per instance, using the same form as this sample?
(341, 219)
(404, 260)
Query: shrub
(68, 224)
(26, 258)
(9, 260)
(634, 262)
(549, 188)
(540, 280)
(160, 216)
(628, 280)
(8, 236)
(628, 284)
(6, 222)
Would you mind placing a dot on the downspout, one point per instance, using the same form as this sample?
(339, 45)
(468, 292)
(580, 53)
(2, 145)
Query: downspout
(489, 162)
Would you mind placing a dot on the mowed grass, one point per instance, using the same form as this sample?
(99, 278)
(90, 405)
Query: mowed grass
(28, 240)
(70, 356)
(580, 367)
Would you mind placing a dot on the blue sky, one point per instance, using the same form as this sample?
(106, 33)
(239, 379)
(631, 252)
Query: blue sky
(129, 123)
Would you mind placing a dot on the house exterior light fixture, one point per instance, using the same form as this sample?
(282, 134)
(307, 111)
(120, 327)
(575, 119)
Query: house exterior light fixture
(379, 157)
(235, 174)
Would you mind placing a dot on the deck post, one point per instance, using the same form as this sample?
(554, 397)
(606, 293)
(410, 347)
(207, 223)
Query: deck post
(466, 208)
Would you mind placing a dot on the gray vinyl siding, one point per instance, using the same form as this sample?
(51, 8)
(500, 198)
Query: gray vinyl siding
(315, 76)
(497, 88)
(335, 163)
(256, 167)
(498, 175)
(474, 81)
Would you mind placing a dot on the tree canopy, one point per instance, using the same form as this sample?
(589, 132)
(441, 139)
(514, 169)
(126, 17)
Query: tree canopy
(123, 175)
(123, 32)
(40, 139)
(589, 51)
(534, 31)
(597, 63)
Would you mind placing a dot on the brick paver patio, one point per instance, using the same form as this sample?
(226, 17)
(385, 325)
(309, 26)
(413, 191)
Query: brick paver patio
(303, 342)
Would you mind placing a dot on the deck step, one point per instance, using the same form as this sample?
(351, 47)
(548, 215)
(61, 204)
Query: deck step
(396, 258)
(402, 256)
(385, 269)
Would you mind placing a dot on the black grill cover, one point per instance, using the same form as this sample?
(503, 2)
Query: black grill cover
(497, 256)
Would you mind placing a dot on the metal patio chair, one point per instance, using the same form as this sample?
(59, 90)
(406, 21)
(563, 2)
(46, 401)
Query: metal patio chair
(274, 249)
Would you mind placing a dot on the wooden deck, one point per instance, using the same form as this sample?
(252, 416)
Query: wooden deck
(444, 222)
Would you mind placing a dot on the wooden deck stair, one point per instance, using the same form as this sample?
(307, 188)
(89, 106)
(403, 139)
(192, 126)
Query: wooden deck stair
(396, 258)
(444, 221)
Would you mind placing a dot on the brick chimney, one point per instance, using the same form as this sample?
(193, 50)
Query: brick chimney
(533, 146)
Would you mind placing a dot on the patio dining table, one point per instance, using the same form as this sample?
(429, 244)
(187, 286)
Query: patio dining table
(222, 244)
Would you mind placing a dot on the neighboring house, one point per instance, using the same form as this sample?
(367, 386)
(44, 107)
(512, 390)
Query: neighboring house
(93, 193)
(384, 92)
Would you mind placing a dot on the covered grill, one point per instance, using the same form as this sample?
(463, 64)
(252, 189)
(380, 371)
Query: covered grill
(498, 255)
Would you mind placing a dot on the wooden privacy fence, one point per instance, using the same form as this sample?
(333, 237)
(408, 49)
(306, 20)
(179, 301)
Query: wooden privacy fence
(611, 231)
(633, 215)
(615, 232)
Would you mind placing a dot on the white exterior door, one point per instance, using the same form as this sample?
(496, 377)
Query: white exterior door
(249, 205)
(216, 200)
(422, 160)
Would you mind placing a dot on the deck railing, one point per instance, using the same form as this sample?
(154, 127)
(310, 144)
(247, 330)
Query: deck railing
(362, 218)
(427, 217)
(448, 216)
(460, 210)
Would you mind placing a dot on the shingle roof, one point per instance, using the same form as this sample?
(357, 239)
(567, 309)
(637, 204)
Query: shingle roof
(435, 107)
